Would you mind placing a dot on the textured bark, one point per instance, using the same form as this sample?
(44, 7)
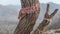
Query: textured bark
(42, 27)
(25, 25)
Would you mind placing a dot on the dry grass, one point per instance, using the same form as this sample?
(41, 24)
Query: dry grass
(51, 32)
(7, 29)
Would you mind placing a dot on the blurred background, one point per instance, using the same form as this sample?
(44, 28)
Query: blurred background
(9, 12)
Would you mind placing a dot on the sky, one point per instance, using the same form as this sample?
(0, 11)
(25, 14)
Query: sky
(17, 2)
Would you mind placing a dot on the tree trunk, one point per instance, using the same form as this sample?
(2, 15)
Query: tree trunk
(28, 20)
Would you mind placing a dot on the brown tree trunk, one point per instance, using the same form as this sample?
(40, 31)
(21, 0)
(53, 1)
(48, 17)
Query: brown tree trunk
(28, 20)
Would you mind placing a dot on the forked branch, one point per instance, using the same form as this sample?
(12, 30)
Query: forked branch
(42, 27)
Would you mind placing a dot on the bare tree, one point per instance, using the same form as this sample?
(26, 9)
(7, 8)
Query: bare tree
(42, 27)
(27, 16)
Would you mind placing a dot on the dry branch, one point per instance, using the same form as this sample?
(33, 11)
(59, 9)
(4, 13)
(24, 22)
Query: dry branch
(42, 27)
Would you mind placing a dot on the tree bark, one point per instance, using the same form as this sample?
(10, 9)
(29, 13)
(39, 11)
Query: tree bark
(27, 21)
(42, 26)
